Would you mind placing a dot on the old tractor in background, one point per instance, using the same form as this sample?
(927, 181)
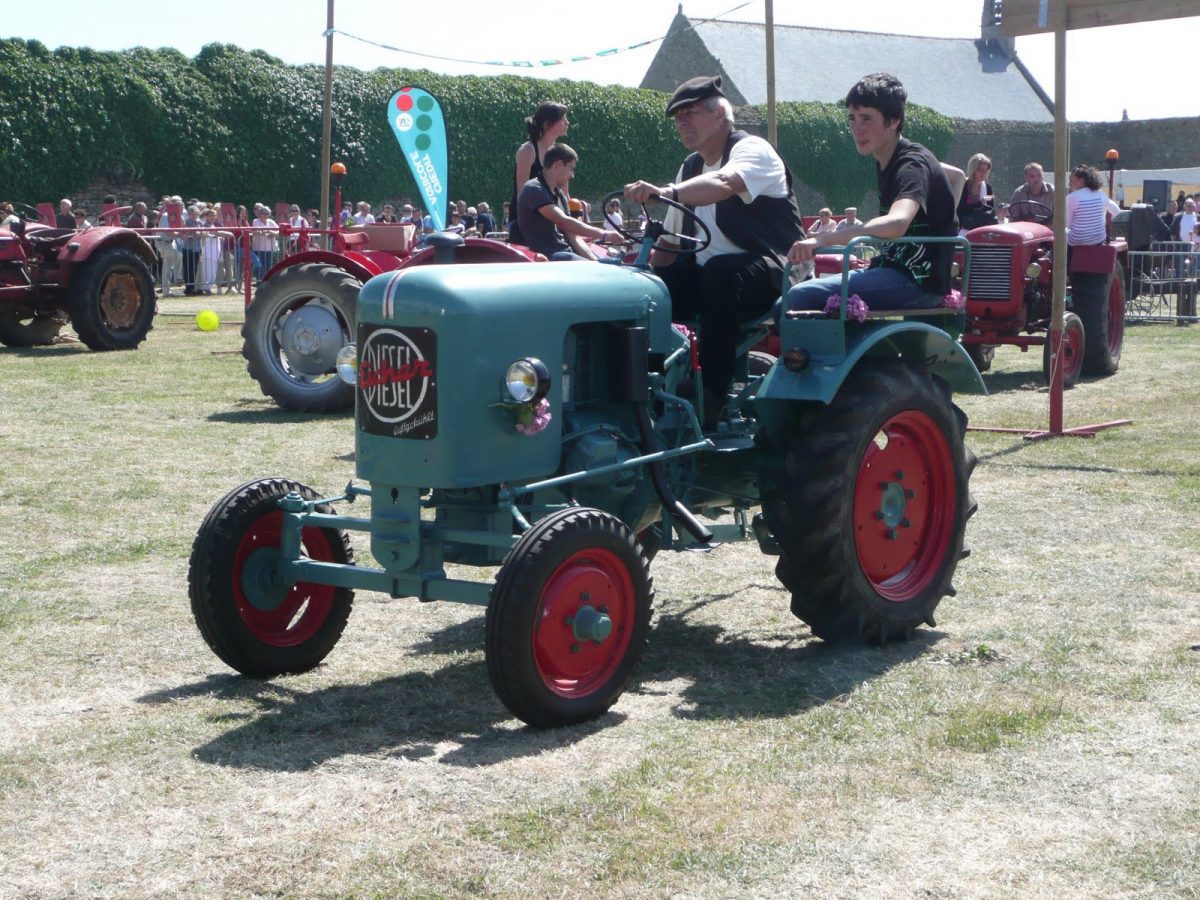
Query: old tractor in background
(1010, 297)
(98, 279)
(539, 418)
(304, 311)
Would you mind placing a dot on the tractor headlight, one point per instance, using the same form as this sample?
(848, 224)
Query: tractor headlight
(1033, 271)
(347, 364)
(527, 379)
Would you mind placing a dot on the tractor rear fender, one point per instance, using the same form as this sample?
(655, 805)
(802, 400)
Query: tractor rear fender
(917, 343)
(355, 264)
(91, 241)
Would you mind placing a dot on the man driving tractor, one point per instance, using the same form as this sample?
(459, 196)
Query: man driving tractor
(739, 187)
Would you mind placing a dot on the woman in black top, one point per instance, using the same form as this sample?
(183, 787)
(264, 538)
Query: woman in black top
(545, 126)
(976, 207)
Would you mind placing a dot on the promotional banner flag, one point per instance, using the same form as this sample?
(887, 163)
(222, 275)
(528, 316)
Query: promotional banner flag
(416, 120)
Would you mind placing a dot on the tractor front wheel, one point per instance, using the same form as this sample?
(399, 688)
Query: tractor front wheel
(568, 618)
(298, 322)
(253, 621)
(982, 355)
(870, 505)
(112, 300)
(1073, 340)
(22, 329)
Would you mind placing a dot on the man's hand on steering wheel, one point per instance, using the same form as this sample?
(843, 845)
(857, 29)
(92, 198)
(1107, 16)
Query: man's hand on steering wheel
(681, 243)
(644, 192)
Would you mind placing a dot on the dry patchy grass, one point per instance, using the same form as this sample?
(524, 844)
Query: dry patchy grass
(1040, 742)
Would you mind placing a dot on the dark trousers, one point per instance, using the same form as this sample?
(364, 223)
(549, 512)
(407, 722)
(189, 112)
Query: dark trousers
(190, 260)
(721, 295)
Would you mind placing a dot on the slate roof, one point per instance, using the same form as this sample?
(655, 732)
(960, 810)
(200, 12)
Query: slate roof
(961, 77)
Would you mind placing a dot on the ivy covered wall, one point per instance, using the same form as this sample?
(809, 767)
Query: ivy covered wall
(243, 126)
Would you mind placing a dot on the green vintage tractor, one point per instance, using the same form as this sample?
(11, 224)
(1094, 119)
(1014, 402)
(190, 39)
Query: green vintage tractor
(536, 418)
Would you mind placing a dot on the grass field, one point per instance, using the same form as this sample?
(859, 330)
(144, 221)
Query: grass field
(1041, 741)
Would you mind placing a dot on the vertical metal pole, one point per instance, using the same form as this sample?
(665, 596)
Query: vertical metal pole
(327, 118)
(772, 134)
(1062, 152)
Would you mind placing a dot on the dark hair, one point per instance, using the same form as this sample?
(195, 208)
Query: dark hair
(1088, 175)
(545, 116)
(559, 153)
(883, 92)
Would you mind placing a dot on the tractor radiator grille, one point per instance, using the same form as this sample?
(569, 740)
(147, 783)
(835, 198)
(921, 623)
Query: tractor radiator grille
(991, 272)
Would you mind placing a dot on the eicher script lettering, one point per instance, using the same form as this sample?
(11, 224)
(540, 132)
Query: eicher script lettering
(397, 382)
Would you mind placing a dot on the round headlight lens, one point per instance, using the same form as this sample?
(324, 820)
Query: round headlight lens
(527, 379)
(347, 364)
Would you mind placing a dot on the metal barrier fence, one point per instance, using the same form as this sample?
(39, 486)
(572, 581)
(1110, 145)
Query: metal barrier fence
(222, 259)
(1162, 283)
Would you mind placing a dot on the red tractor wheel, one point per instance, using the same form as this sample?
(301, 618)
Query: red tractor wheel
(870, 505)
(1073, 342)
(112, 300)
(256, 624)
(25, 329)
(568, 618)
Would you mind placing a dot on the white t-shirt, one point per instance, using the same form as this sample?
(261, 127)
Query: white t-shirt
(1085, 216)
(1187, 227)
(763, 173)
(364, 219)
(260, 241)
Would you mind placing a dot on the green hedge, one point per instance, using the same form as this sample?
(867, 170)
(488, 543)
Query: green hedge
(243, 126)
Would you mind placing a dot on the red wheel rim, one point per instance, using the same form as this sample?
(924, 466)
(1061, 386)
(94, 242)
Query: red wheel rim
(905, 505)
(306, 606)
(594, 578)
(1072, 349)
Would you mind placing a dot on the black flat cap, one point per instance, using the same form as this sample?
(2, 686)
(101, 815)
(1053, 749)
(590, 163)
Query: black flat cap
(695, 89)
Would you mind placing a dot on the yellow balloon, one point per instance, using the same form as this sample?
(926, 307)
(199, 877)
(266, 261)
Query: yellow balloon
(207, 320)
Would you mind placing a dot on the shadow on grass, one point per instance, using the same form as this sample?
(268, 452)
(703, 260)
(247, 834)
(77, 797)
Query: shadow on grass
(998, 382)
(736, 677)
(257, 412)
(413, 715)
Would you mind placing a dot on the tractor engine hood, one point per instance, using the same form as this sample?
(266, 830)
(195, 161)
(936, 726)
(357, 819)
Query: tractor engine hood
(435, 344)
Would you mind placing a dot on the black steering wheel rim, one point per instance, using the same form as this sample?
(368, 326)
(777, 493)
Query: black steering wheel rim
(37, 216)
(1039, 220)
(654, 228)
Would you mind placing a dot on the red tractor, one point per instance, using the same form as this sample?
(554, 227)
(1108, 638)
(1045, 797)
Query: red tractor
(304, 311)
(98, 279)
(1010, 297)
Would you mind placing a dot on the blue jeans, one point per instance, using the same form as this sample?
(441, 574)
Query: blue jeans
(880, 288)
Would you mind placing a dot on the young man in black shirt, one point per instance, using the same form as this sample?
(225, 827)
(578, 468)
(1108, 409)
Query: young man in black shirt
(915, 200)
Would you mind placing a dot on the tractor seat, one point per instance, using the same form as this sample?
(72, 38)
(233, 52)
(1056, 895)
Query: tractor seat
(50, 237)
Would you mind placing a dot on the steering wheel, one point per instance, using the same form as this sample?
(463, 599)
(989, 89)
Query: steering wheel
(1032, 216)
(26, 211)
(655, 230)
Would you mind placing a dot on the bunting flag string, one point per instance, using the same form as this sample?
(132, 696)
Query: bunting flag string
(526, 63)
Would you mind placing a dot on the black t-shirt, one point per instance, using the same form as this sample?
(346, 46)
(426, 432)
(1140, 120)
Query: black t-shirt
(915, 173)
(537, 232)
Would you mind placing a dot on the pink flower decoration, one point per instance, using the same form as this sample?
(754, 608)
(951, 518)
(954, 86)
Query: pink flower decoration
(856, 309)
(538, 418)
(954, 299)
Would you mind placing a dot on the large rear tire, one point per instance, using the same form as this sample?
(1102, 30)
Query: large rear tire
(253, 623)
(297, 323)
(869, 505)
(1099, 301)
(112, 300)
(568, 618)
